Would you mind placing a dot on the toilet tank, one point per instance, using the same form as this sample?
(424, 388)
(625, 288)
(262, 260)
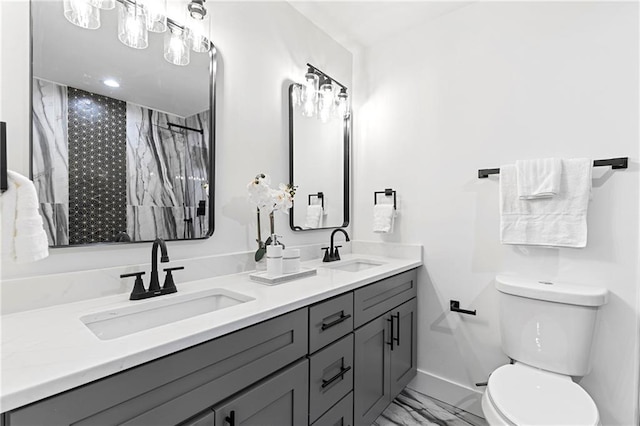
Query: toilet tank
(549, 325)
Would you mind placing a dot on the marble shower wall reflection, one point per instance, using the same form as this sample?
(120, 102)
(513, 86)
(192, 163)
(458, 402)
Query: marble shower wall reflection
(107, 170)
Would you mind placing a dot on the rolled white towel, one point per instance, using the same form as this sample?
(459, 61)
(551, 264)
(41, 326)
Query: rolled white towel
(314, 216)
(23, 236)
(538, 178)
(383, 218)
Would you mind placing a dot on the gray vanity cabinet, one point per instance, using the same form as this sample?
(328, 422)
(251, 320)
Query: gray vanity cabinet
(279, 400)
(385, 347)
(176, 387)
(306, 367)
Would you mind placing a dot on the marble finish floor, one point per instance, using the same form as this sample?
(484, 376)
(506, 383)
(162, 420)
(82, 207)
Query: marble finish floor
(412, 408)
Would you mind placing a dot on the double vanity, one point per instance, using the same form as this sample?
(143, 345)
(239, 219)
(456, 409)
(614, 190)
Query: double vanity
(221, 351)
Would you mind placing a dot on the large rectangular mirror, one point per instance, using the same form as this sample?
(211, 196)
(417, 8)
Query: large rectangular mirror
(319, 167)
(122, 140)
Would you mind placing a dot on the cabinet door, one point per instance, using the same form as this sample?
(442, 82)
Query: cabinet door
(403, 353)
(371, 379)
(279, 400)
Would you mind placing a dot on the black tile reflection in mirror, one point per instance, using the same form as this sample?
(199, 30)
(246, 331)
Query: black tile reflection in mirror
(97, 167)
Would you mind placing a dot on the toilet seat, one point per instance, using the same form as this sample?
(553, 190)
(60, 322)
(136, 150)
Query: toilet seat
(524, 395)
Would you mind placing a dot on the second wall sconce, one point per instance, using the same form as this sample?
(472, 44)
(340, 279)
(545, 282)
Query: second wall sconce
(321, 96)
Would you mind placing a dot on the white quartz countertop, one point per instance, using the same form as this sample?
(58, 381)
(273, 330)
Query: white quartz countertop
(50, 350)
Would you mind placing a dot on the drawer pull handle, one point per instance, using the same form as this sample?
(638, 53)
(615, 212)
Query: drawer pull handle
(231, 418)
(342, 372)
(390, 342)
(335, 322)
(396, 335)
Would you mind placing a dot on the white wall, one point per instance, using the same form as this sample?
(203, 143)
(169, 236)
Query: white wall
(483, 86)
(263, 47)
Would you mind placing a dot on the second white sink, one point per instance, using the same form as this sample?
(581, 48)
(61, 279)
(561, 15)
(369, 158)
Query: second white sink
(353, 265)
(120, 322)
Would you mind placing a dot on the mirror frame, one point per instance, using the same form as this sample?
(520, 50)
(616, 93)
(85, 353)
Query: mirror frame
(346, 131)
(213, 65)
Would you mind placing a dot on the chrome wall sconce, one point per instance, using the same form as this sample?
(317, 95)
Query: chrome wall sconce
(189, 31)
(321, 96)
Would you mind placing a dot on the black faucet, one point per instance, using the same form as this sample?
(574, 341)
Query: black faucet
(139, 292)
(331, 253)
(154, 286)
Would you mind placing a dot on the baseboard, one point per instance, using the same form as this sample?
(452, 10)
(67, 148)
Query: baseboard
(452, 393)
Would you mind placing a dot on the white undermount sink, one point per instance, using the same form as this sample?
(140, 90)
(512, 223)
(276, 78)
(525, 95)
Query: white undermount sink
(352, 265)
(159, 311)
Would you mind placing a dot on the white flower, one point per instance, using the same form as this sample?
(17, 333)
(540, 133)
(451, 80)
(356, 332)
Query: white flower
(260, 193)
(282, 198)
(267, 199)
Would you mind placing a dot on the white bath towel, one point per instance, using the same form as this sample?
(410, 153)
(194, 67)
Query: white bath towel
(314, 216)
(560, 221)
(23, 236)
(538, 178)
(383, 218)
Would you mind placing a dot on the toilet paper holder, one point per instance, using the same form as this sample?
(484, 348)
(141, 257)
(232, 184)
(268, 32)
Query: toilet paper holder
(454, 305)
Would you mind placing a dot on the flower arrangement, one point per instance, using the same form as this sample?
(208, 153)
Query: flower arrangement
(269, 200)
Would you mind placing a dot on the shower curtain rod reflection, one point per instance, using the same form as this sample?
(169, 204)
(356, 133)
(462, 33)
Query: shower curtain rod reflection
(185, 127)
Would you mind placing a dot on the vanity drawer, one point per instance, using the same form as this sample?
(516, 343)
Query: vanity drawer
(330, 376)
(173, 388)
(340, 414)
(377, 298)
(330, 320)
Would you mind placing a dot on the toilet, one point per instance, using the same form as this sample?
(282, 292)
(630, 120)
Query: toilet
(547, 330)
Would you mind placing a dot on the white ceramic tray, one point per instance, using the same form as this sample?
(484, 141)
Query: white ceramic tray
(262, 277)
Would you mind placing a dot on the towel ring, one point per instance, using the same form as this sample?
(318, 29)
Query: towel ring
(319, 196)
(388, 192)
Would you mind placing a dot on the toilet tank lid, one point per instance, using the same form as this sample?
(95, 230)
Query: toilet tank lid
(559, 292)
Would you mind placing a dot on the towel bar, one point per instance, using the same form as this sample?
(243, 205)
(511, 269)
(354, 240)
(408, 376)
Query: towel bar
(388, 192)
(319, 196)
(615, 163)
(4, 184)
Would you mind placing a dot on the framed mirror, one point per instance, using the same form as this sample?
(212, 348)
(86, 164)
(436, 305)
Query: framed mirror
(122, 141)
(319, 167)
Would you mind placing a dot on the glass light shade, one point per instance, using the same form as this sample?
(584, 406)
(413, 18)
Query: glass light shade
(176, 45)
(132, 28)
(342, 104)
(155, 15)
(104, 4)
(199, 32)
(82, 13)
(309, 94)
(296, 95)
(325, 102)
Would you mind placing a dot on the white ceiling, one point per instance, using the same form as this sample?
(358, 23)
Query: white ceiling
(362, 24)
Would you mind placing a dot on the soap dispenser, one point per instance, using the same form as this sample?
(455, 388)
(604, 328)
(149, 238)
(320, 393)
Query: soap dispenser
(274, 258)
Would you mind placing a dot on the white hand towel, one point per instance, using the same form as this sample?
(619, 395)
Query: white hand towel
(538, 178)
(314, 216)
(383, 218)
(23, 236)
(560, 221)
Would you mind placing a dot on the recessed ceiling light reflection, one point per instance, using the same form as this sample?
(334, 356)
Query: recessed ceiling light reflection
(111, 83)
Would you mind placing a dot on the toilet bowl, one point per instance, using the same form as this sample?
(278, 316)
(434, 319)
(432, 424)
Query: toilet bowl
(547, 330)
(521, 395)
